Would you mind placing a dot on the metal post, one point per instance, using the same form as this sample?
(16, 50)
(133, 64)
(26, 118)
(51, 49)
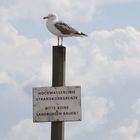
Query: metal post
(58, 76)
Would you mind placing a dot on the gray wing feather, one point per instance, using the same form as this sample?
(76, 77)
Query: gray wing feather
(65, 28)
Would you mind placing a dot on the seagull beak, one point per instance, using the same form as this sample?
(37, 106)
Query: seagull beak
(45, 17)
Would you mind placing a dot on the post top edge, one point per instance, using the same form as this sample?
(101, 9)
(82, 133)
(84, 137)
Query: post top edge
(60, 46)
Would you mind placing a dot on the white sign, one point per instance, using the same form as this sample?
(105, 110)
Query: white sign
(57, 104)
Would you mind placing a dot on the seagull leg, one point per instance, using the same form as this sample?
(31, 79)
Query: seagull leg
(61, 41)
(58, 40)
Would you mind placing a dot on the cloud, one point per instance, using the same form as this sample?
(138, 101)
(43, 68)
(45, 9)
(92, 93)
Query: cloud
(104, 56)
(136, 106)
(5, 78)
(22, 63)
(36, 9)
(33, 9)
(94, 111)
(126, 133)
(20, 56)
(26, 130)
(99, 58)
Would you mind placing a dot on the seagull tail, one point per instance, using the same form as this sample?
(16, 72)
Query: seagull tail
(80, 34)
(83, 34)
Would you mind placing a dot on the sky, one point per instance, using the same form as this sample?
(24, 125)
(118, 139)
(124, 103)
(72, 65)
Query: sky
(106, 64)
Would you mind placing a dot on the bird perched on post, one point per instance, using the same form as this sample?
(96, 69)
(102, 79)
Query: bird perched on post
(61, 29)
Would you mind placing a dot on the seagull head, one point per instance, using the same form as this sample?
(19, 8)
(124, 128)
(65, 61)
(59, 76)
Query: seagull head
(51, 17)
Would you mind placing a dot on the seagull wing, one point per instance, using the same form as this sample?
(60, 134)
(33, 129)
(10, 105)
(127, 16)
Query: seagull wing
(65, 28)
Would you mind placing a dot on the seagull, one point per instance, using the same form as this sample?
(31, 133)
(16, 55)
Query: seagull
(61, 29)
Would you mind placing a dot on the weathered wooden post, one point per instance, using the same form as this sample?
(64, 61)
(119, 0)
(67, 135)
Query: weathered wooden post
(58, 103)
(58, 79)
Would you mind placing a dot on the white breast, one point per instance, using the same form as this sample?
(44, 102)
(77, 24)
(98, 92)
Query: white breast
(51, 27)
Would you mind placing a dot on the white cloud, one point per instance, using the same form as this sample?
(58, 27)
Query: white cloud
(5, 78)
(103, 56)
(117, 44)
(40, 8)
(94, 110)
(21, 57)
(126, 133)
(107, 2)
(20, 9)
(136, 106)
(26, 130)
